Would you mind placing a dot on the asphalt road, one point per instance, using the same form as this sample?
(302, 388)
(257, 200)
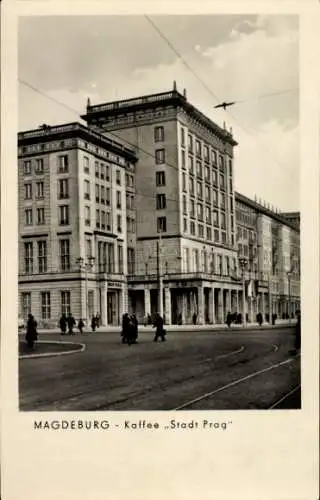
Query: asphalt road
(190, 371)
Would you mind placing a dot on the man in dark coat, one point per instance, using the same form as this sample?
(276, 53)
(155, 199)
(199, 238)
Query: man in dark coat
(297, 343)
(63, 324)
(81, 326)
(135, 325)
(71, 322)
(125, 327)
(31, 335)
(229, 319)
(160, 332)
(259, 319)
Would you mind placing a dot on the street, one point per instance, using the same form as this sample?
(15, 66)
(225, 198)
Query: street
(201, 370)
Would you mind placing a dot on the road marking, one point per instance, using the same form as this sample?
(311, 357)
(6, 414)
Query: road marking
(230, 353)
(51, 354)
(231, 384)
(284, 397)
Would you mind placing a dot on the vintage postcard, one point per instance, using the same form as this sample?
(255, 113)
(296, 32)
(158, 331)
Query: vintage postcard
(160, 264)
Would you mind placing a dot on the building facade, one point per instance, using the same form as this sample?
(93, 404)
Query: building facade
(137, 212)
(72, 223)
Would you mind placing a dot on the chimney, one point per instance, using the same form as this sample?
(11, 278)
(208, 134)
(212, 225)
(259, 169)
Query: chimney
(174, 85)
(185, 93)
(224, 125)
(88, 102)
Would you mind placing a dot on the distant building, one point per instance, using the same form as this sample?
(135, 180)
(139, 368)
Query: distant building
(293, 217)
(137, 212)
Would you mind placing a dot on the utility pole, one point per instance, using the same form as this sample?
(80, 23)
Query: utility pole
(270, 299)
(243, 263)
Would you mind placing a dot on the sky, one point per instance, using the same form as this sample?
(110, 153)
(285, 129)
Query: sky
(252, 60)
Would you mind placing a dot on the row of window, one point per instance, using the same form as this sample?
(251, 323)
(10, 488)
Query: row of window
(203, 261)
(40, 216)
(221, 185)
(38, 168)
(215, 198)
(202, 170)
(207, 232)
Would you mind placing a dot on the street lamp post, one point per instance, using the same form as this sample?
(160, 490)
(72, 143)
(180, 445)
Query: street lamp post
(243, 263)
(86, 266)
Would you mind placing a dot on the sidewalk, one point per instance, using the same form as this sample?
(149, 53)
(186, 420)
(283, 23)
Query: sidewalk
(184, 328)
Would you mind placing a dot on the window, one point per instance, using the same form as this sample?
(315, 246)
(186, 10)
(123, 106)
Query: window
(199, 169)
(28, 217)
(107, 196)
(223, 201)
(206, 153)
(184, 202)
(192, 228)
(119, 223)
(223, 237)
(63, 164)
(200, 211)
(87, 216)
(230, 186)
(198, 148)
(39, 166)
(129, 202)
(97, 192)
(192, 208)
(183, 137)
(120, 258)
(200, 230)
(160, 156)
(26, 304)
(102, 170)
(191, 186)
(40, 216)
(190, 143)
(220, 265)
(221, 162)
(64, 215)
(222, 185)
(86, 190)
(88, 248)
(227, 266)
(184, 182)
(28, 257)
(108, 221)
(118, 177)
(64, 246)
(86, 168)
(161, 201)
(102, 219)
(27, 167)
(63, 188)
(131, 260)
(223, 220)
(214, 156)
(107, 172)
(207, 173)
(183, 159)
(231, 204)
(96, 169)
(207, 193)
(161, 224)
(160, 178)
(42, 256)
(209, 233)
(208, 215)
(190, 164)
(216, 218)
(199, 189)
(195, 259)
(119, 199)
(215, 197)
(216, 235)
(214, 177)
(45, 305)
(40, 192)
(158, 134)
(129, 180)
(102, 195)
(28, 191)
(185, 225)
(65, 302)
(230, 167)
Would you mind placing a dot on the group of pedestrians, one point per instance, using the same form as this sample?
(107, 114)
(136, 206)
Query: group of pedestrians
(68, 323)
(129, 332)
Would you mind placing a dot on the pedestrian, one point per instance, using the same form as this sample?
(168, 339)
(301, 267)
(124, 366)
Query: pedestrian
(160, 331)
(81, 326)
(93, 323)
(135, 327)
(229, 319)
(194, 318)
(63, 324)
(71, 323)
(297, 342)
(259, 319)
(125, 327)
(31, 334)
(98, 320)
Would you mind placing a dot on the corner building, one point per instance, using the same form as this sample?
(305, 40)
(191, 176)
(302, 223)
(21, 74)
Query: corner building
(73, 189)
(185, 206)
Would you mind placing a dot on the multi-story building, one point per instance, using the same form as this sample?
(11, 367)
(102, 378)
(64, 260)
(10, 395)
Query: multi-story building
(185, 205)
(269, 243)
(137, 212)
(74, 185)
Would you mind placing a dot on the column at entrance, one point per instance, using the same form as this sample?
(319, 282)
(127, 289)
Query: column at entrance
(200, 305)
(167, 305)
(212, 312)
(147, 302)
(262, 306)
(184, 307)
(220, 305)
(228, 302)
(237, 301)
(104, 315)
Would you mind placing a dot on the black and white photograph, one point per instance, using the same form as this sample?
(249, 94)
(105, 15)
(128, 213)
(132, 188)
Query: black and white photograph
(160, 250)
(159, 213)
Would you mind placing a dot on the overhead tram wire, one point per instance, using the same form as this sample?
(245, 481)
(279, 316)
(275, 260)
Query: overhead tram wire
(244, 127)
(56, 101)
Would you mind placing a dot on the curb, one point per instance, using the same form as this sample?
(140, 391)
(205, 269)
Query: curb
(53, 354)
